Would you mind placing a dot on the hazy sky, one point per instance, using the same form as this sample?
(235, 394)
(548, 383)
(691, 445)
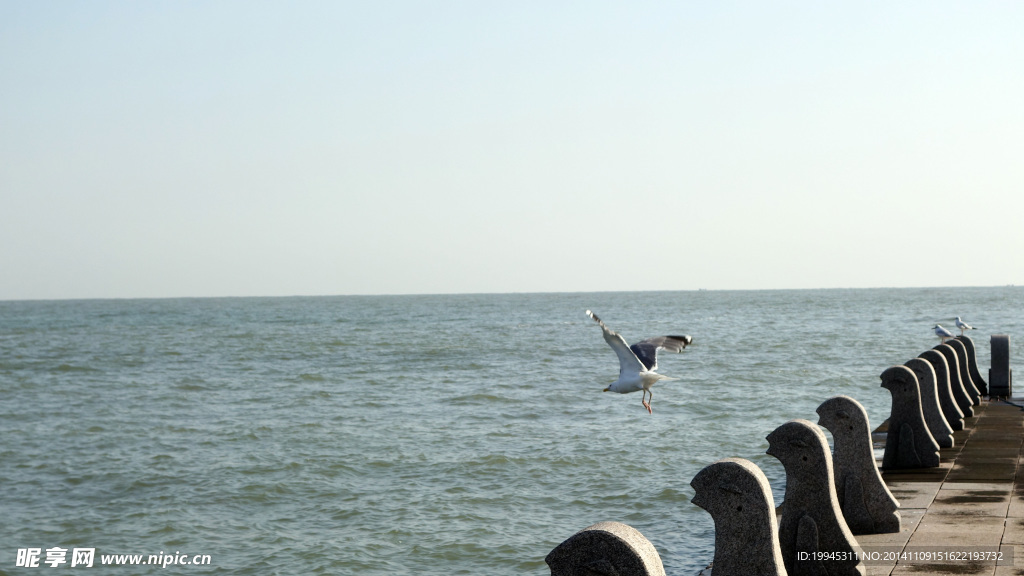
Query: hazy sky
(152, 149)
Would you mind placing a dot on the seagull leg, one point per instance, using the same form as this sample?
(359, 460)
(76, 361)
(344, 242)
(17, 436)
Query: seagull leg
(647, 403)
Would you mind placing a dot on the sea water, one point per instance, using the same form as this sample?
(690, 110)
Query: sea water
(459, 434)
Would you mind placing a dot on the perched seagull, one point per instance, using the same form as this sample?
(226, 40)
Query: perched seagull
(942, 333)
(638, 362)
(963, 325)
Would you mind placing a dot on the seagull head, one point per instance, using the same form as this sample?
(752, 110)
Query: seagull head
(616, 387)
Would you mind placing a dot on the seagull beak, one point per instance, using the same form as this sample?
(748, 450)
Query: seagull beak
(606, 389)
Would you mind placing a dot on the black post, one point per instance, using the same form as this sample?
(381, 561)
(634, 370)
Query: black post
(1000, 376)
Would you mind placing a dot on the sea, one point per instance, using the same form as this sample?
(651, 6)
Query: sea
(427, 435)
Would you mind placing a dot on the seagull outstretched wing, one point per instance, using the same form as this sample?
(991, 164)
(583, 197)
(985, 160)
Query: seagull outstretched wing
(628, 361)
(647, 350)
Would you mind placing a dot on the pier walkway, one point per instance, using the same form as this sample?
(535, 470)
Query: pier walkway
(956, 517)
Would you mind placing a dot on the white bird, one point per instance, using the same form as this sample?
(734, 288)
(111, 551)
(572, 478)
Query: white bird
(638, 362)
(942, 333)
(963, 325)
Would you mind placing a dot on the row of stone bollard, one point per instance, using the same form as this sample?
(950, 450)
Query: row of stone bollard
(829, 497)
(824, 506)
(931, 396)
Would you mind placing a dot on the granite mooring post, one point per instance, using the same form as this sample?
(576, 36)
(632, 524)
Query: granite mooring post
(1000, 375)
(965, 372)
(606, 548)
(947, 401)
(963, 400)
(972, 362)
(926, 380)
(866, 502)
(908, 442)
(737, 495)
(811, 520)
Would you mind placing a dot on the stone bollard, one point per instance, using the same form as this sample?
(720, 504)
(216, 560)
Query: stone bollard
(965, 372)
(926, 380)
(963, 400)
(908, 443)
(737, 495)
(947, 401)
(606, 548)
(1000, 375)
(811, 521)
(868, 506)
(972, 364)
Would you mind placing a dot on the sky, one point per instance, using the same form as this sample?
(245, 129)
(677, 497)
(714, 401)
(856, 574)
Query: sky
(245, 148)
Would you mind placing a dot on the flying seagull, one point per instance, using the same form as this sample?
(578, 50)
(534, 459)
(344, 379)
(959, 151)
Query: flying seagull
(638, 362)
(942, 333)
(963, 325)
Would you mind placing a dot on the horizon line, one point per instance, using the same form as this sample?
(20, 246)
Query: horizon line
(524, 293)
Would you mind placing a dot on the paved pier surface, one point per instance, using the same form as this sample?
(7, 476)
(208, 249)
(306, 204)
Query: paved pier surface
(957, 517)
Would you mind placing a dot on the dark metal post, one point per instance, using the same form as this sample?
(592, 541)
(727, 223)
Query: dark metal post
(1000, 376)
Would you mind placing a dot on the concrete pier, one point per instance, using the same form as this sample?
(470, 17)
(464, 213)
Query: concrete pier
(960, 517)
